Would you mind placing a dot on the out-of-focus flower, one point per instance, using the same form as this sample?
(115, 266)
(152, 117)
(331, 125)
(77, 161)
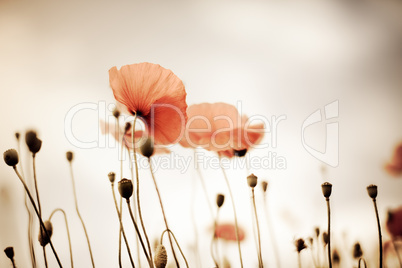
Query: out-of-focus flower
(357, 251)
(300, 245)
(394, 166)
(227, 231)
(394, 222)
(219, 127)
(156, 95)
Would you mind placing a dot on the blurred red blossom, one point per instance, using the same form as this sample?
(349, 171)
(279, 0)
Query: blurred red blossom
(394, 166)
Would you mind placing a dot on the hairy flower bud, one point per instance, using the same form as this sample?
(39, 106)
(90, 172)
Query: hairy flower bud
(147, 148)
(220, 199)
(42, 237)
(326, 189)
(372, 191)
(125, 188)
(252, 180)
(160, 257)
(69, 156)
(111, 176)
(11, 157)
(9, 252)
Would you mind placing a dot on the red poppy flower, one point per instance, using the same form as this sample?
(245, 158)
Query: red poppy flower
(219, 127)
(156, 95)
(394, 167)
(227, 232)
(394, 222)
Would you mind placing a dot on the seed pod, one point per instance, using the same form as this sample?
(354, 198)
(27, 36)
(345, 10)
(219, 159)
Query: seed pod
(111, 176)
(116, 113)
(125, 188)
(147, 148)
(326, 189)
(220, 199)
(69, 156)
(11, 157)
(264, 185)
(160, 257)
(42, 237)
(372, 191)
(9, 252)
(317, 231)
(31, 139)
(252, 180)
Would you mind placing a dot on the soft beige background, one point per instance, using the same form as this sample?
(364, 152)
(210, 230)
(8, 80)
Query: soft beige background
(275, 57)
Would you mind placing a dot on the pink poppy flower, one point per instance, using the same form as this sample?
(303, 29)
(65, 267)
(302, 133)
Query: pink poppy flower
(394, 167)
(227, 232)
(394, 222)
(156, 95)
(219, 127)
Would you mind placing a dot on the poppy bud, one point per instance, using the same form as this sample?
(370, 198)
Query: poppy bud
(326, 189)
(42, 237)
(325, 238)
(69, 156)
(357, 251)
(220, 199)
(9, 252)
(335, 257)
(160, 257)
(11, 157)
(111, 176)
(127, 127)
(17, 135)
(147, 148)
(300, 245)
(125, 188)
(31, 139)
(317, 231)
(240, 153)
(116, 113)
(264, 185)
(372, 191)
(252, 180)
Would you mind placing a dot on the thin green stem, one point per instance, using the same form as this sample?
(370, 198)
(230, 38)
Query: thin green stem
(163, 211)
(177, 244)
(235, 216)
(379, 230)
(121, 230)
(138, 190)
(329, 233)
(138, 233)
(261, 264)
(272, 233)
(68, 232)
(79, 215)
(37, 214)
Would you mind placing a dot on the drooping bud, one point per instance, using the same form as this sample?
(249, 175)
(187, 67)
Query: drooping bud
(252, 180)
(372, 191)
(300, 244)
(357, 251)
(240, 153)
(111, 176)
(125, 188)
(220, 199)
(160, 257)
(42, 237)
(326, 189)
(147, 148)
(9, 252)
(11, 157)
(69, 156)
(325, 238)
(264, 185)
(116, 113)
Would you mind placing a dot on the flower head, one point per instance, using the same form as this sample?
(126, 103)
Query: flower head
(394, 222)
(228, 232)
(326, 188)
(125, 188)
(394, 166)
(11, 157)
(372, 191)
(220, 199)
(42, 237)
(155, 94)
(300, 245)
(9, 251)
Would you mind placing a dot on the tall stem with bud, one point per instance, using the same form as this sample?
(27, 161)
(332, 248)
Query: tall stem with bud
(326, 191)
(372, 192)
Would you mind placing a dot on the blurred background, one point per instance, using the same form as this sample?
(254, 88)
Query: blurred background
(275, 58)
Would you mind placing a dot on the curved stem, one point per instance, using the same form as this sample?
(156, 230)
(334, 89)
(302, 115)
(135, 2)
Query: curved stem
(68, 232)
(364, 262)
(379, 231)
(138, 233)
(138, 190)
(37, 214)
(177, 243)
(79, 215)
(329, 233)
(121, 230)
(235, 216)
(258, 230)
(163, 211)
(272, 233)
(214, 239)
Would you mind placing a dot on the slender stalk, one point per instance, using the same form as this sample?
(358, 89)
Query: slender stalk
(121, 177)
(194, 222)
(396, 251)
(299, 259)
(272, 233)
(261, 264)
(13, 262)
(68, 232)
(364, 262)
(138, 233)
(121, 230)
(79, 215)
(312, 256)
(214, 239)
(37, 214)
(379, 230)
(235, 216)
(177, 244)
(163, 211)
(30, 218)
(329, 233)
(44, 256)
